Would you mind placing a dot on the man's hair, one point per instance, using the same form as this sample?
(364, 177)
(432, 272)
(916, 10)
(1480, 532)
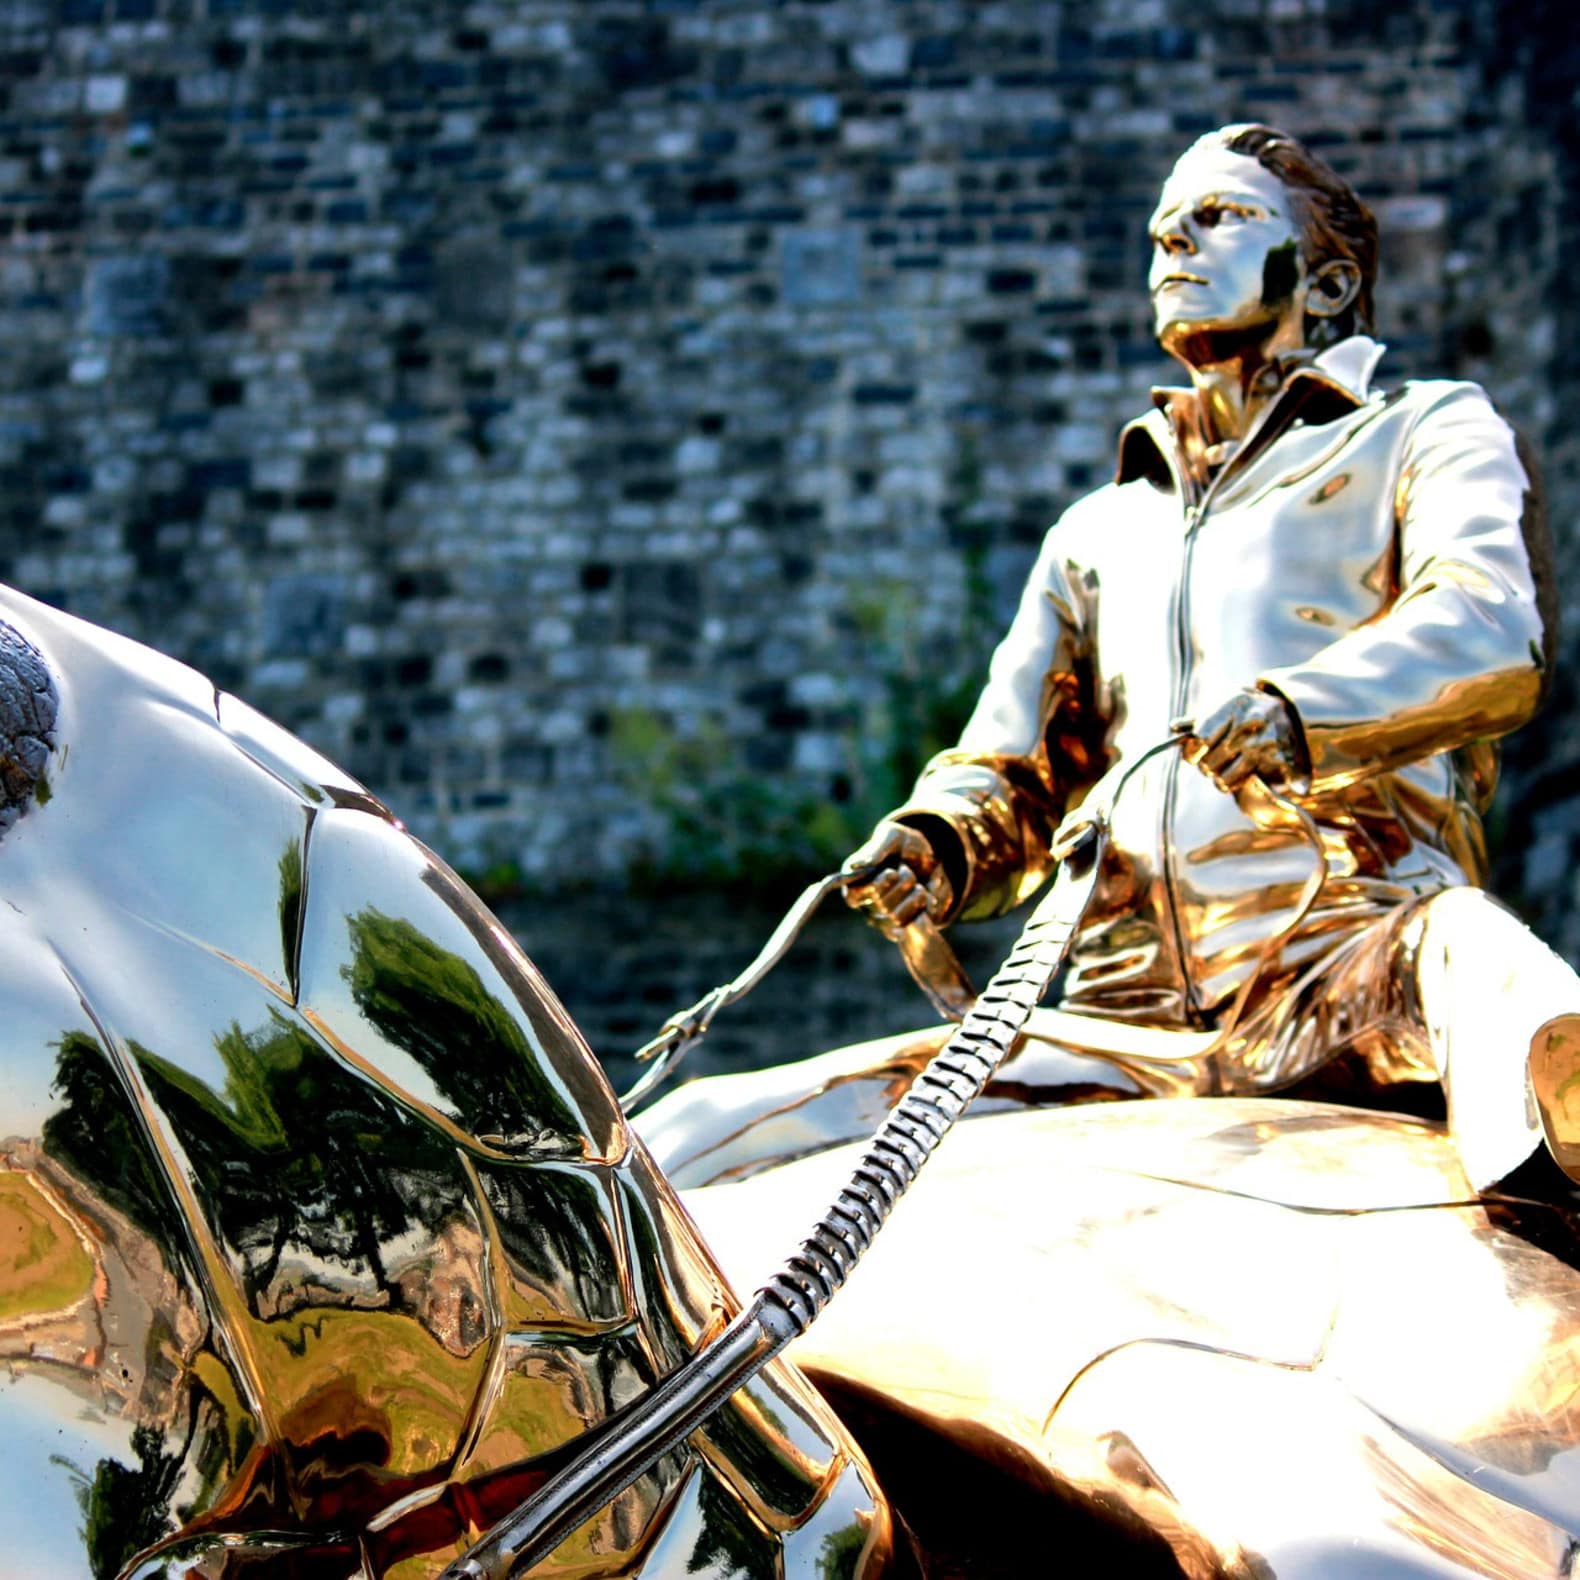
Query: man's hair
(1337, 224)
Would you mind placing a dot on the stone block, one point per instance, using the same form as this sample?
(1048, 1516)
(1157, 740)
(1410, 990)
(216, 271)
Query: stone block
(127, 295)
(304, 616)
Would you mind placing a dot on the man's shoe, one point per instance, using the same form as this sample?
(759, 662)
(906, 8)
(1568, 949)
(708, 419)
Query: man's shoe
(1555, 1084)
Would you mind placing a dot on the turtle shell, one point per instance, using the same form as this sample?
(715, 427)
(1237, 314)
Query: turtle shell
(321, 1233)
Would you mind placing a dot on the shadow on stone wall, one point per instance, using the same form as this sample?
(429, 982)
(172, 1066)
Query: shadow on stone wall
(623, 968)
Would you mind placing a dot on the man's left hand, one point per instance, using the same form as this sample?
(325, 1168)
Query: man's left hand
(1253, 735)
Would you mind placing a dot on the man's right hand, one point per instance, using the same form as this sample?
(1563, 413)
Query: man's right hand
(910, 880)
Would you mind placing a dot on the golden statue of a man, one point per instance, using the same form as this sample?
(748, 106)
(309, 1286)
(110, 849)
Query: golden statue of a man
(1346, 589)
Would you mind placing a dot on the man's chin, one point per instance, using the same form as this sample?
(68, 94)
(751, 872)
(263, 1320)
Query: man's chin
(1206, 338)
(1183, 337)
(1175, 319)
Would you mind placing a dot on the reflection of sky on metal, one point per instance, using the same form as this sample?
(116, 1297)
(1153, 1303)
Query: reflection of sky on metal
(39, 1433)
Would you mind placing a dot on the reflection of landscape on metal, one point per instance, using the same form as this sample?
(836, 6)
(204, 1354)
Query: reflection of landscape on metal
(312, 1198)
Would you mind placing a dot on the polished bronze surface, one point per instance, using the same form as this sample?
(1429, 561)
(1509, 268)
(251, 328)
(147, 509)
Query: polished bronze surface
(1285, 1335)
(320, 1232)
(1413, 632)
(1341, 584)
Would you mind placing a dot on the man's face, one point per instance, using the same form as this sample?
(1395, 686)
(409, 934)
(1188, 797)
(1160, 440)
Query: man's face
(1226, 254)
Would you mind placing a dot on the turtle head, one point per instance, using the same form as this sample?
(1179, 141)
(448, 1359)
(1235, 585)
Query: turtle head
(29, 710)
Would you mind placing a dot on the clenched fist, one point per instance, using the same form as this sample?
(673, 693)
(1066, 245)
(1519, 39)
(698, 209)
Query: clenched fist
(910, 880)
(1253, 735)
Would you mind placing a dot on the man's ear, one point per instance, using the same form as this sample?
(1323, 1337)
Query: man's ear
(1332, 287)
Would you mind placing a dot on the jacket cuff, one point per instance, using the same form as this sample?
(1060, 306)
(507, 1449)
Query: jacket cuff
(1000, 834)
(1334, 757)
(1344, 750)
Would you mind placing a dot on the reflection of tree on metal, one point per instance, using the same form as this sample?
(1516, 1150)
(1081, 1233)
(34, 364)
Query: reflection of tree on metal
(1347, 588)
(320, 1233)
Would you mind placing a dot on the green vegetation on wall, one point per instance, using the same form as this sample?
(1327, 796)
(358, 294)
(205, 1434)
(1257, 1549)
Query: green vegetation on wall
(723, 825)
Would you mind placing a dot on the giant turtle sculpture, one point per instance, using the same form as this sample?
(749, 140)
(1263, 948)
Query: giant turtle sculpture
(323, 1243)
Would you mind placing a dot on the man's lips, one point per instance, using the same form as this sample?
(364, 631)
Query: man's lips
(1178, 279)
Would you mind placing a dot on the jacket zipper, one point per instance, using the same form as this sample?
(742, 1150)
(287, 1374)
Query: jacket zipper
(1261, 435)
(1182, 646)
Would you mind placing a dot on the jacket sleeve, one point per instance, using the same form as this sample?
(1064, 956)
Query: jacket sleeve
(1458, 656)
(1000, 792)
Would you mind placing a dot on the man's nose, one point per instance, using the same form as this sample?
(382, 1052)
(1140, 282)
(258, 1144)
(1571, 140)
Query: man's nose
(1176, 239)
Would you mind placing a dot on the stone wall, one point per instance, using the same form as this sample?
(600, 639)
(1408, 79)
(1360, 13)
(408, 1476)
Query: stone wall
(617, 430)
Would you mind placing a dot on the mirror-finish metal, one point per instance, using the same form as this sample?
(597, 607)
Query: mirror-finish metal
(1349, 588)
(1364, 556)
(787, 1304)
(319, 1227)
(1452, 989)
(1284, 1335)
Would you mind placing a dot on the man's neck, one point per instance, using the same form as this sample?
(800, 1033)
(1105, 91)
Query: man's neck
(1235, 382)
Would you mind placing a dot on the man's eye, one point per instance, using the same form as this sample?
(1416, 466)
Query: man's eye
(1218, 213)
